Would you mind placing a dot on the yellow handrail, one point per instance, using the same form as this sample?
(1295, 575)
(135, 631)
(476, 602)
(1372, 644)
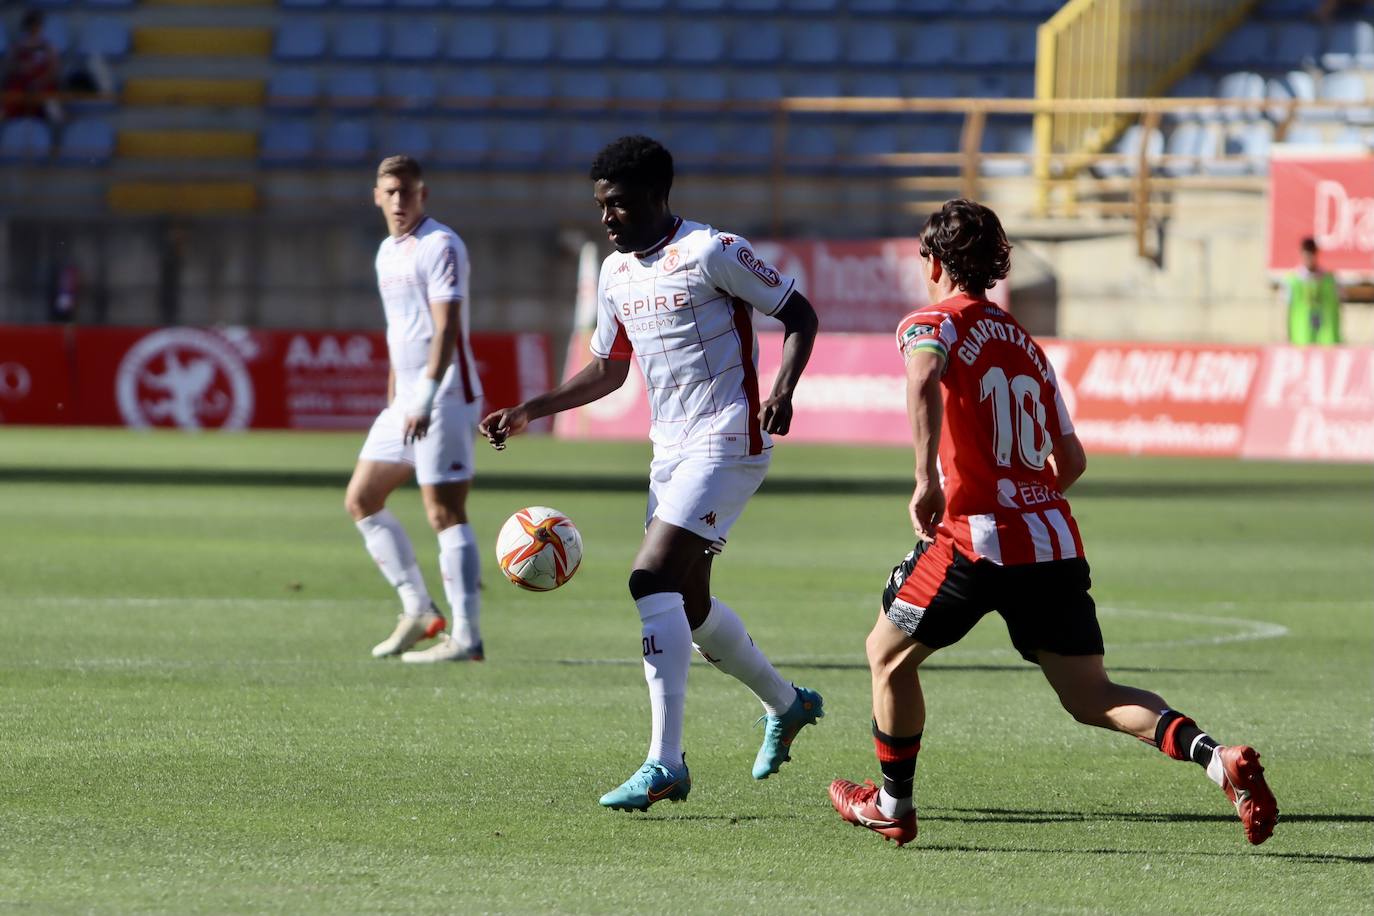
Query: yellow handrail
(1096, 49)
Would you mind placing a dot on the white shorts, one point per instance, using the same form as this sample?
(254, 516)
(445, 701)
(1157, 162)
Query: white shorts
(444, 455)
(704, 495)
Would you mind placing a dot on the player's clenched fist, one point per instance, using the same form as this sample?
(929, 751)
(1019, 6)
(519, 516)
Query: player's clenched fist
(776, 415)
(500, 425)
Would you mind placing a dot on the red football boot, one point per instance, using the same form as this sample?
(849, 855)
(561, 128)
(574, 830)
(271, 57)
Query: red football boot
(1243, 780)
(858, 804)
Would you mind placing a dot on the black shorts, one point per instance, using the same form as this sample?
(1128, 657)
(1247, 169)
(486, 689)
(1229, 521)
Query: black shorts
(936, 595)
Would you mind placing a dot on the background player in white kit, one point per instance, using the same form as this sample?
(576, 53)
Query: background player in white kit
(677, 295)
(434, 400)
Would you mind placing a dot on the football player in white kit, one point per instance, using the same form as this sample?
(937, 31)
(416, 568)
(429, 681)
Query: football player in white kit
(678, 296)
(434, 401)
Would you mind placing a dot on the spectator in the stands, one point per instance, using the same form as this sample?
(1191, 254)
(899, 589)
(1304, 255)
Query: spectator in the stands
(31, 73)
(1314, 301)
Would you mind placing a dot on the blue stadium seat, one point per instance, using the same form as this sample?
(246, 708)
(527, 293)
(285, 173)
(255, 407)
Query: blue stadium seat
(705, 87)
(815, 44)
(816, 84)
(874, 140)
(1023, 39)
(642, 6)
(935, 45)
(472, 41)
(1185, 144)
(696, 146)
(415, 39)
(1249, 45)
(292, 89)
(410, 90)
(870, 45)
(764, 86)
(359, 38)
(347, 142)
(286, 143)
(756, 43)
(749, 146)
(585, 6)
(933, 85)
(579, 142)
(584, 41)
(304, 4)
(529, 5)
(585, 90)
(467, 90)
(877, 85)
(647, 87)
(641, 42)
(520, 144)
(4, 43)
(527, 40)
(1287, 9)
(463, 144)
(87, 142)
(814, 7)
(406, 137)
(874, 7)
(418, 4)
(300, 39)
(698, 43)
(1349, 45)
(472, 4)
(364, 4)
(51, 4)
(111, 4)
(106, 37)
(811, 146)
(352, 89)
(935, 138)
(987, 43)
(702, 6)
(526, 88)
(1296, 43)
(1251, 143)
(57, 30)
(756, 6)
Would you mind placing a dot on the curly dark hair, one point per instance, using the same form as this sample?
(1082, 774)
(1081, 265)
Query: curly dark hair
(968, 239)
(637, 160)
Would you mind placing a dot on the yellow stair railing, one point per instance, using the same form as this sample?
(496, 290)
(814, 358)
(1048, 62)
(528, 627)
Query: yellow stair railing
(1104, 49)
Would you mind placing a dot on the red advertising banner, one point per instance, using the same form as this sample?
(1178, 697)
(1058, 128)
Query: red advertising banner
(1327, 198)
(858, 286)
(1313, 404)
(229, 378)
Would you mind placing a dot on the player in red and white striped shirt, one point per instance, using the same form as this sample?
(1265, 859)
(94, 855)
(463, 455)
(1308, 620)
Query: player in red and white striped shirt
(995, 453)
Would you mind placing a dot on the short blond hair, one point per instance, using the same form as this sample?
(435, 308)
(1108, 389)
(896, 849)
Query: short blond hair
(403, 167)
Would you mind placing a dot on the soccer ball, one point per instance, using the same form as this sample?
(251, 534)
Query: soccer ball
(539, 548)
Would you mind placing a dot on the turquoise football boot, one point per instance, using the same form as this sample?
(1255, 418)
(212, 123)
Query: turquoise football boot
(651, 783)
(781, 730)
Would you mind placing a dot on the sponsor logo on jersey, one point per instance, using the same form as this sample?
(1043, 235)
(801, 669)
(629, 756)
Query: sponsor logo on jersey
(184, 377)
(759, 268)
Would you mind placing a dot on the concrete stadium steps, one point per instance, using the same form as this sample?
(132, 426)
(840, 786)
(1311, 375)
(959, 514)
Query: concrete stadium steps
(187, 144)
(206, 197)
(203, 41)
(151, 90)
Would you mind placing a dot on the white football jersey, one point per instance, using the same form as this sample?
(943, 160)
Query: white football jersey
(428, 264)
(683, 309)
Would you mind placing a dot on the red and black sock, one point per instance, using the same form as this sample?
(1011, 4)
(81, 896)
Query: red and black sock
(897, 757)
(1180, 738)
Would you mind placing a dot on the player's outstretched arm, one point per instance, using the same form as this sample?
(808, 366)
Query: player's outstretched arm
(800, 326)
(926, 410)
(1070, 460)
(596, 380)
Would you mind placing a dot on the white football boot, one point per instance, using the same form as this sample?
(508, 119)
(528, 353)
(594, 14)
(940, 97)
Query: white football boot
(447, 649)
(409, 631)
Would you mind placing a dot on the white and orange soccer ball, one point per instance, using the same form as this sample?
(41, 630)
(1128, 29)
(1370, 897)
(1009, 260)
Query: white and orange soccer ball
(539, 548)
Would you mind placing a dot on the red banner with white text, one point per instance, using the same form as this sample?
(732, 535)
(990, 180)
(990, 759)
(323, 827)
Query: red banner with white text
(1302, 404)
(227, 378)
(1328, 198)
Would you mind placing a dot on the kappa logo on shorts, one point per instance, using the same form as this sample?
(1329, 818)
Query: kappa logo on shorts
(709, 518)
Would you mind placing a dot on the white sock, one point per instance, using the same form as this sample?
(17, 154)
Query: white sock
(461, 566)
(893, 806)
(1214, 770)
(722, 640)
(667, 655)
(389, 545)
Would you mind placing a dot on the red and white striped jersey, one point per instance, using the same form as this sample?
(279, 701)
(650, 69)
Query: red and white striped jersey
(682, 308)
(1003, 410)
(428, 264)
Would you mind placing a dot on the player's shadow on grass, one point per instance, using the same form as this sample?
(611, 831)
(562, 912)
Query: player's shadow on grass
(1315, 858)
(1014, 667)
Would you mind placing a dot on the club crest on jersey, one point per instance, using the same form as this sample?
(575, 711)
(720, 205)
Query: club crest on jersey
(671, 261)
(759, 268)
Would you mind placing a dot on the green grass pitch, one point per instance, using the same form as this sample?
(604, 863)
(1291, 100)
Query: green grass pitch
(190, 721)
